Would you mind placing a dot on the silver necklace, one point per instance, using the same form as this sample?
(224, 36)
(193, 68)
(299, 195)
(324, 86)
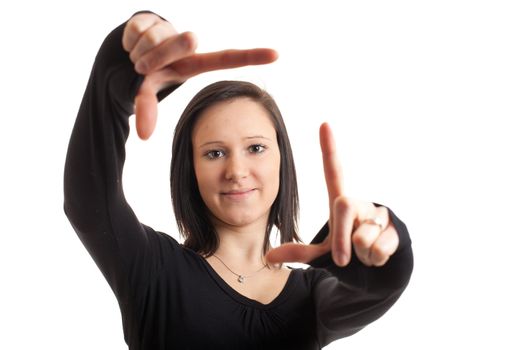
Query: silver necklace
(240, 278)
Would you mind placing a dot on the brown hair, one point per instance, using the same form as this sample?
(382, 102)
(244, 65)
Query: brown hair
(191, 213)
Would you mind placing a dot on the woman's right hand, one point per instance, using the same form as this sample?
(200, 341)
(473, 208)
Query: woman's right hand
(166, 57)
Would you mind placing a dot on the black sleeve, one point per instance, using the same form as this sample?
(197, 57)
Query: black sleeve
(349, 298)
(125, 250)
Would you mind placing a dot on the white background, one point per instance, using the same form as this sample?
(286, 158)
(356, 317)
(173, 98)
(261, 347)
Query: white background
(425, 98)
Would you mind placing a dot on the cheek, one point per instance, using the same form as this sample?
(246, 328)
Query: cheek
(205, 179)
(272, 176)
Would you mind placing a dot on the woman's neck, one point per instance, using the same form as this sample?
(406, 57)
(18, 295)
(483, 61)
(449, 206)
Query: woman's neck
(243, 246)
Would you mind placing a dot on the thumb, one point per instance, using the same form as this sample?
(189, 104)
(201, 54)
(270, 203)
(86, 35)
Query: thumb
(146, 110)
(294, 252)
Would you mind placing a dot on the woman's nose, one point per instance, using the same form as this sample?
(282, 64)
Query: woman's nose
(236, 168)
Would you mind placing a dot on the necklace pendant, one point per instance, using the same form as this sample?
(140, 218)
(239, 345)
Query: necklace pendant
(240, 279)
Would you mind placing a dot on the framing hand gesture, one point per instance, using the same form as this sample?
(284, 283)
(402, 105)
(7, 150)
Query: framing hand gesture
(167, 58)
(352, 223)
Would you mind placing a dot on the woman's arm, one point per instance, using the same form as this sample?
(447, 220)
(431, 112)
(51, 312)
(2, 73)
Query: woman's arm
(94, 201)
(362, 257)
(349, 298)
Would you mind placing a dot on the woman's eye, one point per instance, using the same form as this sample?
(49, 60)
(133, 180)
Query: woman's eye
(257, 148)
(214, 154)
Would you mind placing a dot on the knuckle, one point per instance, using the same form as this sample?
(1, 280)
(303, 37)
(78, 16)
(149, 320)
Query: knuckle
(364, 257)
(379, 262)
(379, 252)
(342, 204)
(361, 240)
(126, 44)
(187, 41)
(325, 245)
(152, 37)
(340, 239)
(383, 211)
(150, 61)
(301, 256)
(167, 28)
(136, 25)
(133, 57)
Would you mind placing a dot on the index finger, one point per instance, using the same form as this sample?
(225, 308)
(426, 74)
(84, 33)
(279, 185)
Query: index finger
(205, 62)
(296, 252)
(333, 172)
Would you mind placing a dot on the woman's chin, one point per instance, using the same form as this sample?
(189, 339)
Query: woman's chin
(240, 221)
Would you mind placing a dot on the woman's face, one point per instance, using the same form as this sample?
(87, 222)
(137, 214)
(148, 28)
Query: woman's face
(236, 159)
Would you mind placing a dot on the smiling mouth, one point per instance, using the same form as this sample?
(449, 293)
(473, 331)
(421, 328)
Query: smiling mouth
(238, 194)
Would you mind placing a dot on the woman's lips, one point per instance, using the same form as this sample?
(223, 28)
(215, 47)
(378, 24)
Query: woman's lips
(238, 194)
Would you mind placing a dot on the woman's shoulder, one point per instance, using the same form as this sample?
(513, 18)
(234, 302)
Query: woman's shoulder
(161, 237)
(162, 246)
(309, 275)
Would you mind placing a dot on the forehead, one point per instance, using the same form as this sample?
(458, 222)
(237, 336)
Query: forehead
(240, 117)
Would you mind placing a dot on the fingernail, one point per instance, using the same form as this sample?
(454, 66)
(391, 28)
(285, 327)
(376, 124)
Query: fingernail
(141, 67)
(184, 43)
(342, 259)
(187, 41)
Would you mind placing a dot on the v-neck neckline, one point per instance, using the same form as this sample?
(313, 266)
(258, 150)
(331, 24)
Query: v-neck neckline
(243, 299)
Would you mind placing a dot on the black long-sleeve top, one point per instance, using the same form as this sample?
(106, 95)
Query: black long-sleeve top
(169, 296)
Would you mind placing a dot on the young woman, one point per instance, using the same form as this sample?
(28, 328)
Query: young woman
(233, 181)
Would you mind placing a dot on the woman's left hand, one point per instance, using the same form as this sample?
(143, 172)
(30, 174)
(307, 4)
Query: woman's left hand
(352, 223)
(166, 58)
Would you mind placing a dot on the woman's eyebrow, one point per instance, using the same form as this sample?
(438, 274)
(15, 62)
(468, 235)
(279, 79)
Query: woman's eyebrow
(210, 143)
(244, 138)
(257, 137)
